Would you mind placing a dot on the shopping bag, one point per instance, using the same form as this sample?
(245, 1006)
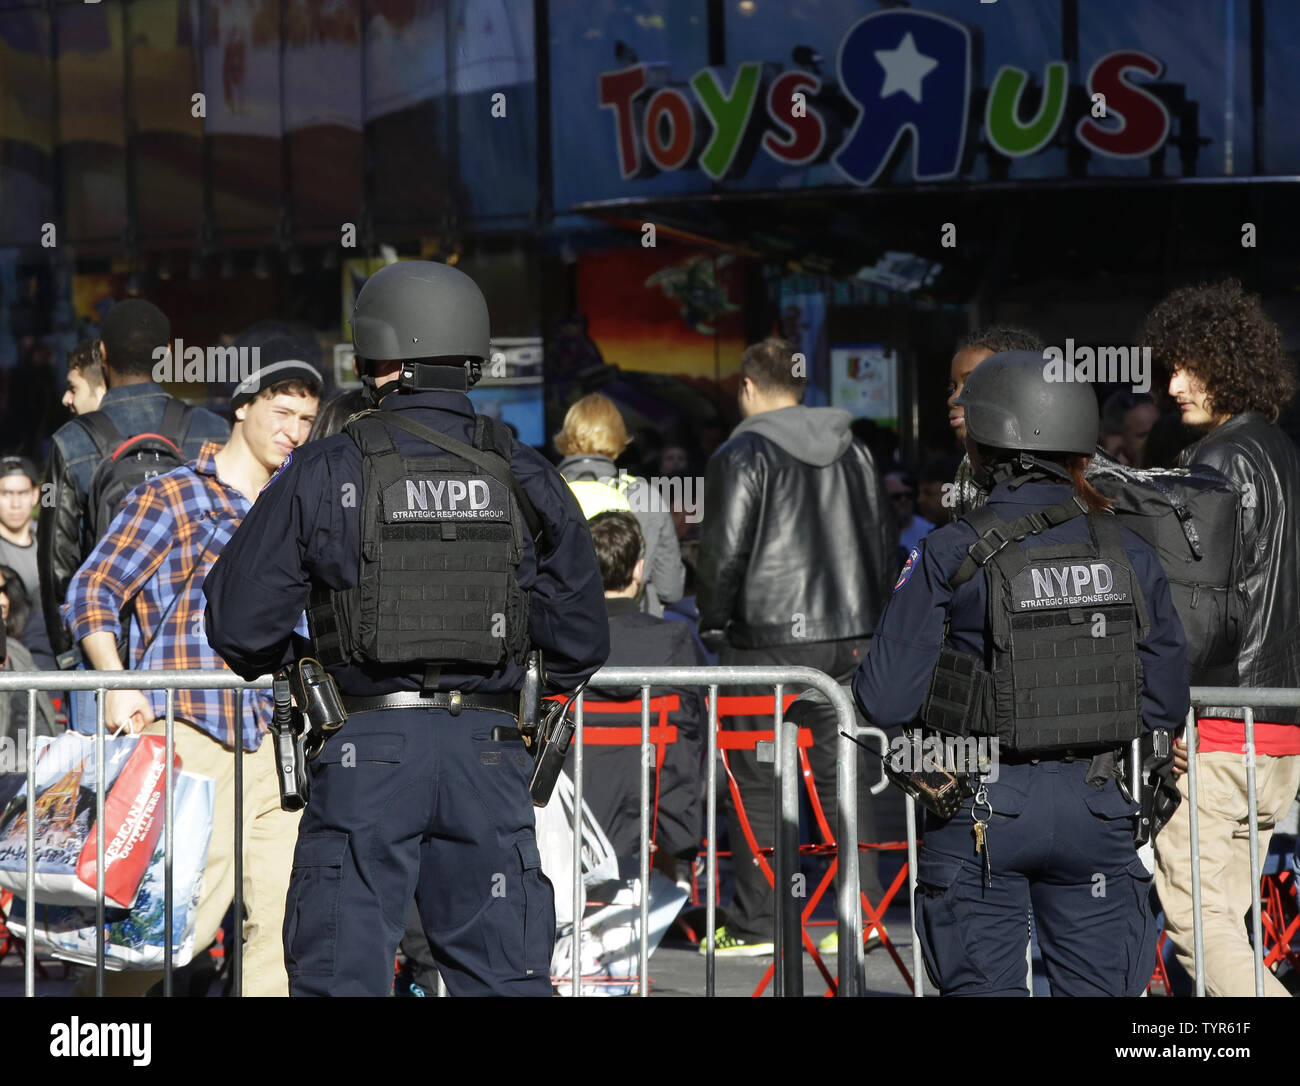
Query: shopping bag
(134, 938)
(554, 824)
(65, 855)
(611, 921)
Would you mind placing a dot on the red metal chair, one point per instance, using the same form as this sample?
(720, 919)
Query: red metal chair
(748, 705)
(1280, 918)
(662, 735)
(7, 941)
(1160, 977)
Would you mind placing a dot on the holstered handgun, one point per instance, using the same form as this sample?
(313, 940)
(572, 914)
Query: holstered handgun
(1159, 796)
(318, 698)
(554, 734)
(547, 731)
(300, 732)
(287, 733)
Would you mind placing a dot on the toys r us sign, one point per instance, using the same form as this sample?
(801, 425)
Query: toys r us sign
(898, 71)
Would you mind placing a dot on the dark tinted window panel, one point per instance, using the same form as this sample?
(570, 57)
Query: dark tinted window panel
(91, 121)
(168, 145)
(496, 136)
(241, 73)
(1281, 136)
(407, 50)
(26, 125)
(322, 86)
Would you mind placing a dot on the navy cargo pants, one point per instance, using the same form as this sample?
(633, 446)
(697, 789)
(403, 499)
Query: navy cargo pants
(1055, 843)
(419, 803)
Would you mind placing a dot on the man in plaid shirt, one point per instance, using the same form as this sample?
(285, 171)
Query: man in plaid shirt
(158, 549)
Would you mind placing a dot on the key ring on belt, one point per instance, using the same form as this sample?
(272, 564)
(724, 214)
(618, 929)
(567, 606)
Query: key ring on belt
(981, 797)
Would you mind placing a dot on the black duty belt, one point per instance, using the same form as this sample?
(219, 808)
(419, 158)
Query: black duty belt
(1081, 754)
(453, 702)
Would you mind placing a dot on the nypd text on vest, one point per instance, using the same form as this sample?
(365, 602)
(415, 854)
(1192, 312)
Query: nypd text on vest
(1068, 585)
(449, 497)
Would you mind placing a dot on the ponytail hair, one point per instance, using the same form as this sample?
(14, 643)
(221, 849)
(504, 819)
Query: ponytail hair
(1084, 490)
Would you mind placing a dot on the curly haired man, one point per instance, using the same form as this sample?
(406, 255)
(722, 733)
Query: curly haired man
(1230, 380)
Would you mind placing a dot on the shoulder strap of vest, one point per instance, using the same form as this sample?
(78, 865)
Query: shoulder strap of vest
(488, 434)
(995, 534)
(1105, 532)
(498, 470)
(376, 445)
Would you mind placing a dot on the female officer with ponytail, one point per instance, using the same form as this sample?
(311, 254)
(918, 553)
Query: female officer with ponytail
(1041, 634)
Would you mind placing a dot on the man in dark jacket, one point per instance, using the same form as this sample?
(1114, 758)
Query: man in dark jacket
(1230, 379)
(133, 334)
(796, 560)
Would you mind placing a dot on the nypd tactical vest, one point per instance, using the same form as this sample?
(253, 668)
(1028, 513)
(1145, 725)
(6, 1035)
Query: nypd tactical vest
(1061, 668)
(442, 535)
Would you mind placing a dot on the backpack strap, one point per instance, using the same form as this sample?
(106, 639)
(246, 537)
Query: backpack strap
(176, 421)
(100, 429)
(1183, 514)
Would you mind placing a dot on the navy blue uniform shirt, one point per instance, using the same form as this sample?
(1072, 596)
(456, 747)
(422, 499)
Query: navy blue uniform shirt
(892, 681)
(305, 529)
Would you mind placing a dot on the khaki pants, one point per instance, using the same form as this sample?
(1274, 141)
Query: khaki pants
(1225, 865)
(270, 835)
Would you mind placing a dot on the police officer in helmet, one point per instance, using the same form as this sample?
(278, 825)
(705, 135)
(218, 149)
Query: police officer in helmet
(1035, 640)
(431, 554)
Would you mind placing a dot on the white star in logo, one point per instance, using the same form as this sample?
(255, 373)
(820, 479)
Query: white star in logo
(904, 69)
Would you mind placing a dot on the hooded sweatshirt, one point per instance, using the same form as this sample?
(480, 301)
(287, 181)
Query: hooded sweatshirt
(815, 435)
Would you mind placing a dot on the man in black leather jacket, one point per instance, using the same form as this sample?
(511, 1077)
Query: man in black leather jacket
(796, 560)
(1230, 379)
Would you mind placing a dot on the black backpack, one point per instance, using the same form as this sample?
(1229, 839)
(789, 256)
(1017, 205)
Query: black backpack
(1191, 517)
(125, 463)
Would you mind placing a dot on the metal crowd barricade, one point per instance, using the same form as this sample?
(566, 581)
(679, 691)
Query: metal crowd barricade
(788, 951)
(789, 979)
(789, 976)
(101, 682)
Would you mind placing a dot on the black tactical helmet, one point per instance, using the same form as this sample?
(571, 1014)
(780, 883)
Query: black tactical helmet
(1011, 404)
(420, 309)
